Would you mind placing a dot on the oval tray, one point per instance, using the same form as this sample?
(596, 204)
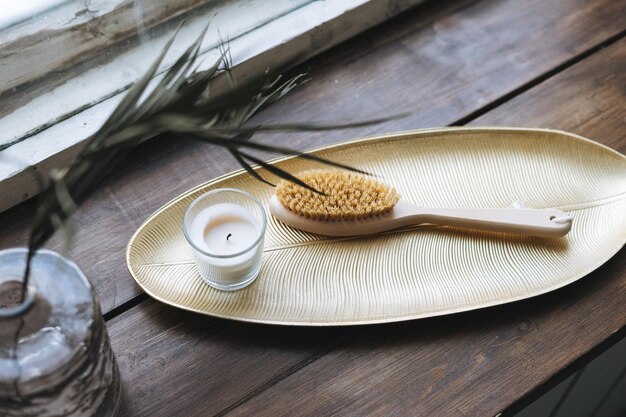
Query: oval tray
(416, 272)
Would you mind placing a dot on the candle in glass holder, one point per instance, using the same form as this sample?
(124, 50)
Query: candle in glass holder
(225, 229)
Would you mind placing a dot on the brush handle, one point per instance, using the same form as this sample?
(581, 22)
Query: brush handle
(531, 222)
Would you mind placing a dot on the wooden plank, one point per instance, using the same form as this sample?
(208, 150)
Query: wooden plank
(593, 106)
(177, 355)
(442, 61)
(481, 362)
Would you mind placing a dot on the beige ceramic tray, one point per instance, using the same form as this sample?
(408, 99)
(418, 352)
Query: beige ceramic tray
(418, 272)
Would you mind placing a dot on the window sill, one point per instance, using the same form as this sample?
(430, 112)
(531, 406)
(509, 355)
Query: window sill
(51, 142)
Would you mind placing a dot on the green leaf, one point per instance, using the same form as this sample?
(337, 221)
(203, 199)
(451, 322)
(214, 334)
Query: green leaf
(279, 172)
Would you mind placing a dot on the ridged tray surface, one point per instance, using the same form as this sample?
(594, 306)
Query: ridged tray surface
(421, 271)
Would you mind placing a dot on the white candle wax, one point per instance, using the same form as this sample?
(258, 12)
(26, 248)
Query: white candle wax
(223, 230)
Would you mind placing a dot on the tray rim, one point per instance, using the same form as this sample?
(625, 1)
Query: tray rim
(395, 319)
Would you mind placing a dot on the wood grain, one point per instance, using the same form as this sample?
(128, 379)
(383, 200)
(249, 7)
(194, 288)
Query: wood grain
(481, 362)
(179, 363)
(441, 62)
(581, 100)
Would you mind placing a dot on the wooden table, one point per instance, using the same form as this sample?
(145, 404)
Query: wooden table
(557, 63)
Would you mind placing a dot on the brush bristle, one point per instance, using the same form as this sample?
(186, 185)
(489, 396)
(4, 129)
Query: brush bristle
(348, 196)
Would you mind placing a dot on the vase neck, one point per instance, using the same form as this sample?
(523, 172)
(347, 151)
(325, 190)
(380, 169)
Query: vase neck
(11, 303)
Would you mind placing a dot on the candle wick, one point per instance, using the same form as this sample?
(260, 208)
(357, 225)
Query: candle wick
(229, 235)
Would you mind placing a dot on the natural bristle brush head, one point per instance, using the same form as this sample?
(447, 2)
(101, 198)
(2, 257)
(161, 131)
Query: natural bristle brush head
(346, 195)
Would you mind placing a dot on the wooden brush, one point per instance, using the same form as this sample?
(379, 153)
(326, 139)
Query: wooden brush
(352, 204)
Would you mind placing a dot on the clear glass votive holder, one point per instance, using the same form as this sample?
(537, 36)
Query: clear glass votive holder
(226, 229)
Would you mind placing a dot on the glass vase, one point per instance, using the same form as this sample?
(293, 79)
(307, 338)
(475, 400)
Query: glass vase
(55, 355)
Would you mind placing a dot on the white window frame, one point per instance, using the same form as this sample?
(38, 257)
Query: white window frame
(45, 142)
